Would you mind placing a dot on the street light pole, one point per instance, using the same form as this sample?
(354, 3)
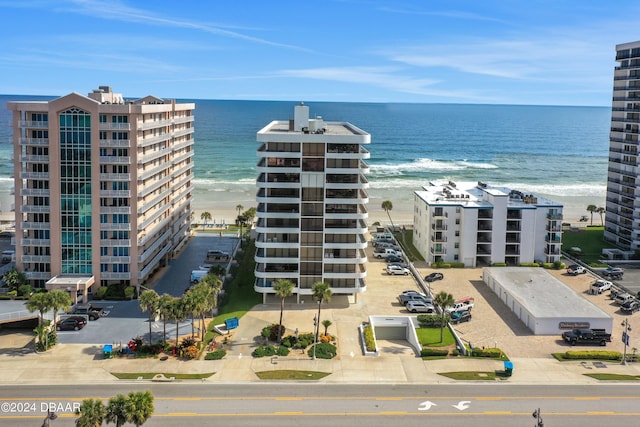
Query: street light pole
(50, 417)
(538, 416)
(625, 339)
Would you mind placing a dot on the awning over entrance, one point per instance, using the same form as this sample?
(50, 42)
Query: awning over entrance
(72, 284)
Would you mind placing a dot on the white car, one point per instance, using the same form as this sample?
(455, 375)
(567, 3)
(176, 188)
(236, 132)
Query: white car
(396, 270)
(600, 286)
(412, 292)
(420, 307)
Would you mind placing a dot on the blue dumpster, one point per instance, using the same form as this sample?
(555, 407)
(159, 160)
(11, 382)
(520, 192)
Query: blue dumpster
(508, 368)
(107, 351)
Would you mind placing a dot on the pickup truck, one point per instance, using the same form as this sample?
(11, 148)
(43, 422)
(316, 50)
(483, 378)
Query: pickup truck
(462, 304)
(91, 311)
(385, 253)
(587, 336)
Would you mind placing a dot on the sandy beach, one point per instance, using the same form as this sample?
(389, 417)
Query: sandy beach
(222, 207)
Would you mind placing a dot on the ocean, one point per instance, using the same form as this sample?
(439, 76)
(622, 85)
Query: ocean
(554, 151)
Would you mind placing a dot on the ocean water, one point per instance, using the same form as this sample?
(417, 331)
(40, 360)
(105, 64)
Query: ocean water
(557, 152)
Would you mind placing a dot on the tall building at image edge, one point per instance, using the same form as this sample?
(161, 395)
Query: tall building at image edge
(622, 220)
(312, 205)
(102, 188)
(478, 224)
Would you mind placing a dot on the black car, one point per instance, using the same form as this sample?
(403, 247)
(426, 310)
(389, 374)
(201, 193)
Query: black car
(393, 259)
(460, 316)
(433, 277)
(74, 323)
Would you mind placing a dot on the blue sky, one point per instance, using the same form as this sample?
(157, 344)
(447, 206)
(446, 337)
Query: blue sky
(549, 52)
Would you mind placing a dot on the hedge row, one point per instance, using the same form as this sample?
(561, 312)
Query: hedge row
(269, 350)
(493, 352)
(425, 352)
(447, 265)
(431, 320)
(593, 354)
(215, 355)
(369, 341)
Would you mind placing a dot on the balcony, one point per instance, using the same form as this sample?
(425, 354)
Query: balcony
(34, 141)
(439, 226)
(115, 126)
(31, 124)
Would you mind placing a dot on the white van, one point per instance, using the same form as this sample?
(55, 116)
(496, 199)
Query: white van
(622, 298)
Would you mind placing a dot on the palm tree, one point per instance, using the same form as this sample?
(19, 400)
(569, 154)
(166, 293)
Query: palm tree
(205, 216)
(40, 302)
(388, 206)
(321, 291)
(442, 301)
(326, 323)
(592, 209)
(600, 211)
(149, 301)
(190, 306)
(115, 411)
(239, 209)
(139, 407)
(283, 289)
(164, 308)
(14, 279)
(91, 413)
(204, 294)
(178, 313)
(60, 300)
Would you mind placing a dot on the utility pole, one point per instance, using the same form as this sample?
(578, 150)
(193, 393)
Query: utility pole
(538, 416)
(625, 339)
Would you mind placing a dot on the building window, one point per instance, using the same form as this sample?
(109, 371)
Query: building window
(457, 233)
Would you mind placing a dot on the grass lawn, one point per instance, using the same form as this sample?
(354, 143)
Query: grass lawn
(473, 375)
(614, 377)
(239, 294)
(590, 240)
(150, 375)
(430, 337)
(291, 375)
(405, 239)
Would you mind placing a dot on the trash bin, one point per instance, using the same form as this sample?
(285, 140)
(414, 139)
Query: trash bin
(508, 368)
(107, 351)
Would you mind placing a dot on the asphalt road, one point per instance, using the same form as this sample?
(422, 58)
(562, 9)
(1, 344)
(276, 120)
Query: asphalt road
(197, 404)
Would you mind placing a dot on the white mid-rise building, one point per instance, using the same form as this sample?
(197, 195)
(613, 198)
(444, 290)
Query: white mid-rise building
(312, 205)
(480, 225)
(622, 221)
(102, 188)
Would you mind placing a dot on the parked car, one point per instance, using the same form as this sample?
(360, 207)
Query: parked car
(622, 298)
(630, 306)
(386, 253)
(73, 323)
(399, 264)
(404, 299)
(412, 292)
(420, 307)
(462, 304)
(433, 277)
(395, 259)
(396, 270)
(575, 269)
(613, 272)
(599, 286)
(460, 316)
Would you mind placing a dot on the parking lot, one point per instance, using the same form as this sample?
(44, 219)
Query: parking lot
(124, 320)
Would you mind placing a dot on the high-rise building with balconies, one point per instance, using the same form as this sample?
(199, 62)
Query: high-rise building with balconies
(622, 221)
(312, 205)
(102, 188)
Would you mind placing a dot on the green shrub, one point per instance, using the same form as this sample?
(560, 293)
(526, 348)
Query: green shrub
(494, 353)
(425, 352)
(304, 341)
(558, 265)
(282, 351)
(264, 351)
(129, 292)
(431, 320)
(529, 264)
(369, 341)
(271, 332)
(440, 265)
(187, 342)
(25, 290)
(215, 355)
(100, 293)
(547, 265)
(457, 264)
(499, 264)
(593, 355)
(324, 350)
